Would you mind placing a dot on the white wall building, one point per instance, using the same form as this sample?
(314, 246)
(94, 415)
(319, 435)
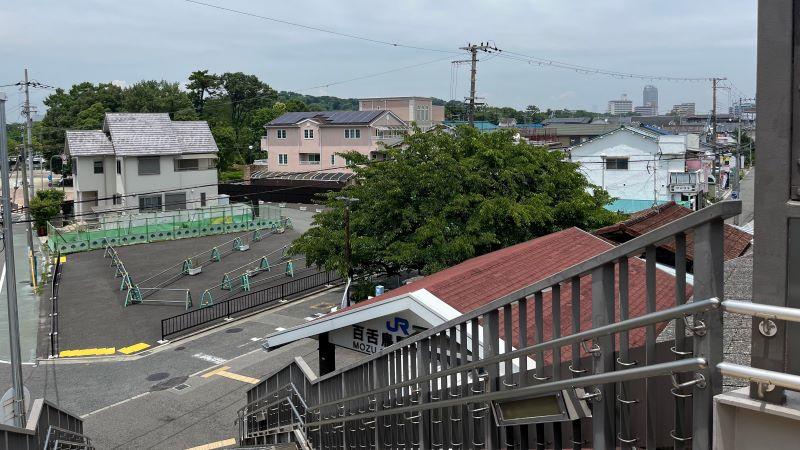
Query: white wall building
(633, 163)
(621, 106)
(143, 162)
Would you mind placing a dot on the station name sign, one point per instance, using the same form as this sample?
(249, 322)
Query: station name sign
(376, 334)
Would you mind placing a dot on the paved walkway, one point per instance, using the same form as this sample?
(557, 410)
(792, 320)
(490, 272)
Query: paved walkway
(27, 301)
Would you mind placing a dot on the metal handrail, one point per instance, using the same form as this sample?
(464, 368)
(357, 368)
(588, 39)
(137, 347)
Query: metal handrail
(636, 373)
(613, 328)
(761, 310)
(769, 377)
(721, 210)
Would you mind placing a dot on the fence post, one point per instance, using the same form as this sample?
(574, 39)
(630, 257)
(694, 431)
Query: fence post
(603, 431)
(708, 283)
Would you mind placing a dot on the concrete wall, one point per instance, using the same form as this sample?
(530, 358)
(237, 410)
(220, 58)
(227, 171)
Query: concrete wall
(636, 182)
(744, 423)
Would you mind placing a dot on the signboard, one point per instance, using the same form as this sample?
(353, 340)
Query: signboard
(374, 335)
(682, 188)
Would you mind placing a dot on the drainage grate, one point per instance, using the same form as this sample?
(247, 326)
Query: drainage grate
(181, 387)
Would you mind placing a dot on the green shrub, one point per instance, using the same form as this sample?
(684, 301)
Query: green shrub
(45, 206)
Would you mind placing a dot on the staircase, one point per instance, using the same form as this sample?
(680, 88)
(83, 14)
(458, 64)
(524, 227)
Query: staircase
(461, 385)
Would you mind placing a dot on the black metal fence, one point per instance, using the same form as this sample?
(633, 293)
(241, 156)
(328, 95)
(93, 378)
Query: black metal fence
(54, 308)
(262, 299)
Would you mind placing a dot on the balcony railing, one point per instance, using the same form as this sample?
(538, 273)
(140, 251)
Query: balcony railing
(461, 384)
(305, 162)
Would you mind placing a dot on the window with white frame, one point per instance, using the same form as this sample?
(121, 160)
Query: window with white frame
(283, 159)
(281, 134)
(308, 134)
(352, 133)
(149, 165)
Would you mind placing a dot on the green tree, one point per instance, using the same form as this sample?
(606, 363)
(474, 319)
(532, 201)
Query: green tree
(155, 96)
(245, 93)
(295, 105)
(91, 118)
(445, 198)
(202, 84)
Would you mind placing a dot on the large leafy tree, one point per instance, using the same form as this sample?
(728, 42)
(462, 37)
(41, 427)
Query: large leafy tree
(202, 84)
(155, 96)
(443, 198)
(244, 94)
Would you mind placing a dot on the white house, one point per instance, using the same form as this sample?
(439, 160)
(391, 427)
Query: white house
(144, 162)
(636, 165)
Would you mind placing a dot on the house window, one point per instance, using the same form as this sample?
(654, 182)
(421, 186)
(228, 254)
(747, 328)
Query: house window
(309, 158)
(98, 166)
(281, 134)
(116, 199)
(352, 133)
(74, 166)
(186, 164)
(149, 165)
(174, 201)
(617, 163)
(150, 203)
(333, 160)
(119, 167)
(308, 134)
(283, 159)
(202, 199)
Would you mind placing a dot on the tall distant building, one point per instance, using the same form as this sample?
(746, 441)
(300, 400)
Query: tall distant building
(621, 106)
(683, 109)
(650, 97)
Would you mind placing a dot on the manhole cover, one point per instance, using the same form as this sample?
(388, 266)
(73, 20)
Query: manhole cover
(180, 348)
(168, 384)
(181, 387)
(234, 330)
(157, 376)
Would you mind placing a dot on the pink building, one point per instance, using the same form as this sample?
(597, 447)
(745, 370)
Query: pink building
(310, 141)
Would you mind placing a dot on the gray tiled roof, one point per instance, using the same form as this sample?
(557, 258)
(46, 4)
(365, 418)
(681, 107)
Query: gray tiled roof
(329, 117)
(142, 134)
(88, 143)
(582, 129)
(195, 136)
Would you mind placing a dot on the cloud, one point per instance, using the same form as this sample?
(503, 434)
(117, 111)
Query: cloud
(120, 83)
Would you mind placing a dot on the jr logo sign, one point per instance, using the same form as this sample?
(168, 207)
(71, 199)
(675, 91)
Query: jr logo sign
(399, 325)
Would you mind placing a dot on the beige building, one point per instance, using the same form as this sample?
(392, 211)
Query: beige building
(420, 110)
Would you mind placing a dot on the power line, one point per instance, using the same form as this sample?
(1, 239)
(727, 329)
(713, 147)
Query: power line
(322, 30)
(544, 62)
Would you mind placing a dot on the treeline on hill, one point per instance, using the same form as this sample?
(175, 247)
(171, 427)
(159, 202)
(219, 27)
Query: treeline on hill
(236, 106)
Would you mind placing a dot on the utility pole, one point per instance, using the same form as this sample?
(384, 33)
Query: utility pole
(714, 82)
(26, 154)
(11, 279)
(473, 50)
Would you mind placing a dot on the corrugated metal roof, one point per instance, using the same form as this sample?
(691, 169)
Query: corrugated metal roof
(195, 136)
(88, 143)
(136, 134)
(329, 117)
(582, 129)
(332, 177)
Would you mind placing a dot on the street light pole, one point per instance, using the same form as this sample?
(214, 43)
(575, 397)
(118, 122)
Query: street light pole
(11, 277)
(347, 249)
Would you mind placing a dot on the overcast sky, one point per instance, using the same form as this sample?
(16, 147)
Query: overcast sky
(64, 42)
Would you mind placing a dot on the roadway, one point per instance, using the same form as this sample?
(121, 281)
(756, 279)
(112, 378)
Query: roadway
(130, 402)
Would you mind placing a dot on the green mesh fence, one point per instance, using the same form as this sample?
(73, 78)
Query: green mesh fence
(160, 226)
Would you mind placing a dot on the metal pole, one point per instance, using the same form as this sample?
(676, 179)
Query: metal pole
(11, 278)
(26, 193)
(29, 131)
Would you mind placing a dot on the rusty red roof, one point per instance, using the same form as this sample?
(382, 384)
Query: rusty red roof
(736, 241)
(480, 280)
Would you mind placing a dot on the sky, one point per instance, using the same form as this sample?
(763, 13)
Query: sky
(66, 42)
